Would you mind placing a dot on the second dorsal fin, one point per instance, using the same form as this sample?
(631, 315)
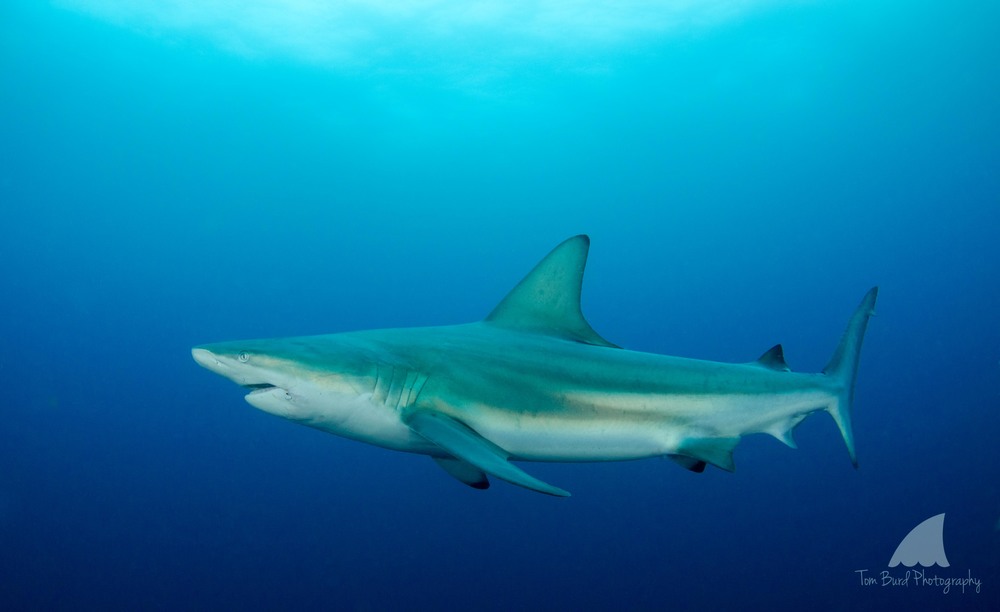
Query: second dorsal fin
(774, 358)
(547, 300)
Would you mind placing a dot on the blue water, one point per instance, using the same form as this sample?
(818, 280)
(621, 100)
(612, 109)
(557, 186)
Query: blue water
(197, 174)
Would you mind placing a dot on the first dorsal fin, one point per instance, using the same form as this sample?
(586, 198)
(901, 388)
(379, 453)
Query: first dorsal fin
(547, 300)
(774, 358)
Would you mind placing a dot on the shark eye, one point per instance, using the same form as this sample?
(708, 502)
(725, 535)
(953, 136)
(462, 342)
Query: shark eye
(244, 357)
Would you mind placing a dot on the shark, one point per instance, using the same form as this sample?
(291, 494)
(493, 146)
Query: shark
(533, 382)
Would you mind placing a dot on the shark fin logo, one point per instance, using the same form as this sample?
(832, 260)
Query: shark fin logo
(923, 545)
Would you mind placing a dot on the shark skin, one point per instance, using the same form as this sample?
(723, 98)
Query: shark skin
(534, 382)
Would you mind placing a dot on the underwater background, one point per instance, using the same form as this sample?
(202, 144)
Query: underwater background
(180, 172)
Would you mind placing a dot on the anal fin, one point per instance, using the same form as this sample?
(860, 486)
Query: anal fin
(462, 442)
(784, 434)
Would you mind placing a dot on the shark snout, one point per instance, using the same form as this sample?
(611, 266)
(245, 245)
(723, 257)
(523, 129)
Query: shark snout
(232, 366)
(222, 365)
(207, 359)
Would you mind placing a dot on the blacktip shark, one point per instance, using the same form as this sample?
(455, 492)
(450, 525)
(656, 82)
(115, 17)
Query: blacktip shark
(534, 382)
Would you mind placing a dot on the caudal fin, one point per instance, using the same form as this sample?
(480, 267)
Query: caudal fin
(844, 367)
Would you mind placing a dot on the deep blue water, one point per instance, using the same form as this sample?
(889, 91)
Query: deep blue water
(173, 179)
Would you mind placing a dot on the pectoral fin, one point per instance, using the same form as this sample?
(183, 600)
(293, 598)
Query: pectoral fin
(464, 471)
(462, 442)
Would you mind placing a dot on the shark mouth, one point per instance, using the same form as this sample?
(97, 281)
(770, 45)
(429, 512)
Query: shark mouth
(259, 388)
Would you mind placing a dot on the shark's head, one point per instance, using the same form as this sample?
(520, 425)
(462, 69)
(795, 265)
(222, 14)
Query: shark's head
(317, 383)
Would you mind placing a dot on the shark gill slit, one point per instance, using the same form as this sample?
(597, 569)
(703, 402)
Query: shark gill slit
(408, 387)
(378, 378)
(383, 388)
(400, 389)
(413, 385)
(392, 394)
